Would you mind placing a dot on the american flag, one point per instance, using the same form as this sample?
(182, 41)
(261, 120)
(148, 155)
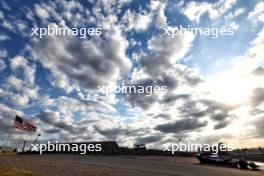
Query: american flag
(23, 125)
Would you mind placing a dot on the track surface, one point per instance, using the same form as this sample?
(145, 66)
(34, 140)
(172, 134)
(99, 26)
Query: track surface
(163, 166)
(117, 165)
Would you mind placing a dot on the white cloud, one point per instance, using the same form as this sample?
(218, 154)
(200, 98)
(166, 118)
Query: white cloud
(234, 14)
(140, 21)
(41, 12)
(2, 65)
(257, 15)
(4, 22)
(19, 100)
(4, 37)
(1, 15)
(233, 25)
(3, 93)
(158, 12)
(7, 25)
(165, 51)
(5, 5)
(22, 90)
(195, 10)
(7, 116)
(70, 59)
(3, 53)
(136, 21)
(29, 70)
(16, 82)
(157, 67)
(254, 55)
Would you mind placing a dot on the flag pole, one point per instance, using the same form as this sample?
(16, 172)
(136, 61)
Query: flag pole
(35, 140)
(24, 144)
(8, 138)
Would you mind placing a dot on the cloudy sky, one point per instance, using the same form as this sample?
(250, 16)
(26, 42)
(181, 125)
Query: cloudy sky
(215, 85)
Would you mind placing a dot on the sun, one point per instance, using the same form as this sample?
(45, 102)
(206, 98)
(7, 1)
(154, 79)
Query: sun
(230, 88)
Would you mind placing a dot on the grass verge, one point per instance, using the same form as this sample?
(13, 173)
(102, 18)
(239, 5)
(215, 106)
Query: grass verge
(13, 171)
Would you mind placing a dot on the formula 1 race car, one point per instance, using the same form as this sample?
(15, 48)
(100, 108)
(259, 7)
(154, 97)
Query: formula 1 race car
(225, 159)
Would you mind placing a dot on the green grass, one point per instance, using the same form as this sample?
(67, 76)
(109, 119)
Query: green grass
(13, 171)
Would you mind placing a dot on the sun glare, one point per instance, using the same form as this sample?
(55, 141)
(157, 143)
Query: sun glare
(233, 90)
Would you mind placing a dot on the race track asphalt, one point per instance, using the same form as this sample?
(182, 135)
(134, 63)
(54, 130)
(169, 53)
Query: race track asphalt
(133, 165)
